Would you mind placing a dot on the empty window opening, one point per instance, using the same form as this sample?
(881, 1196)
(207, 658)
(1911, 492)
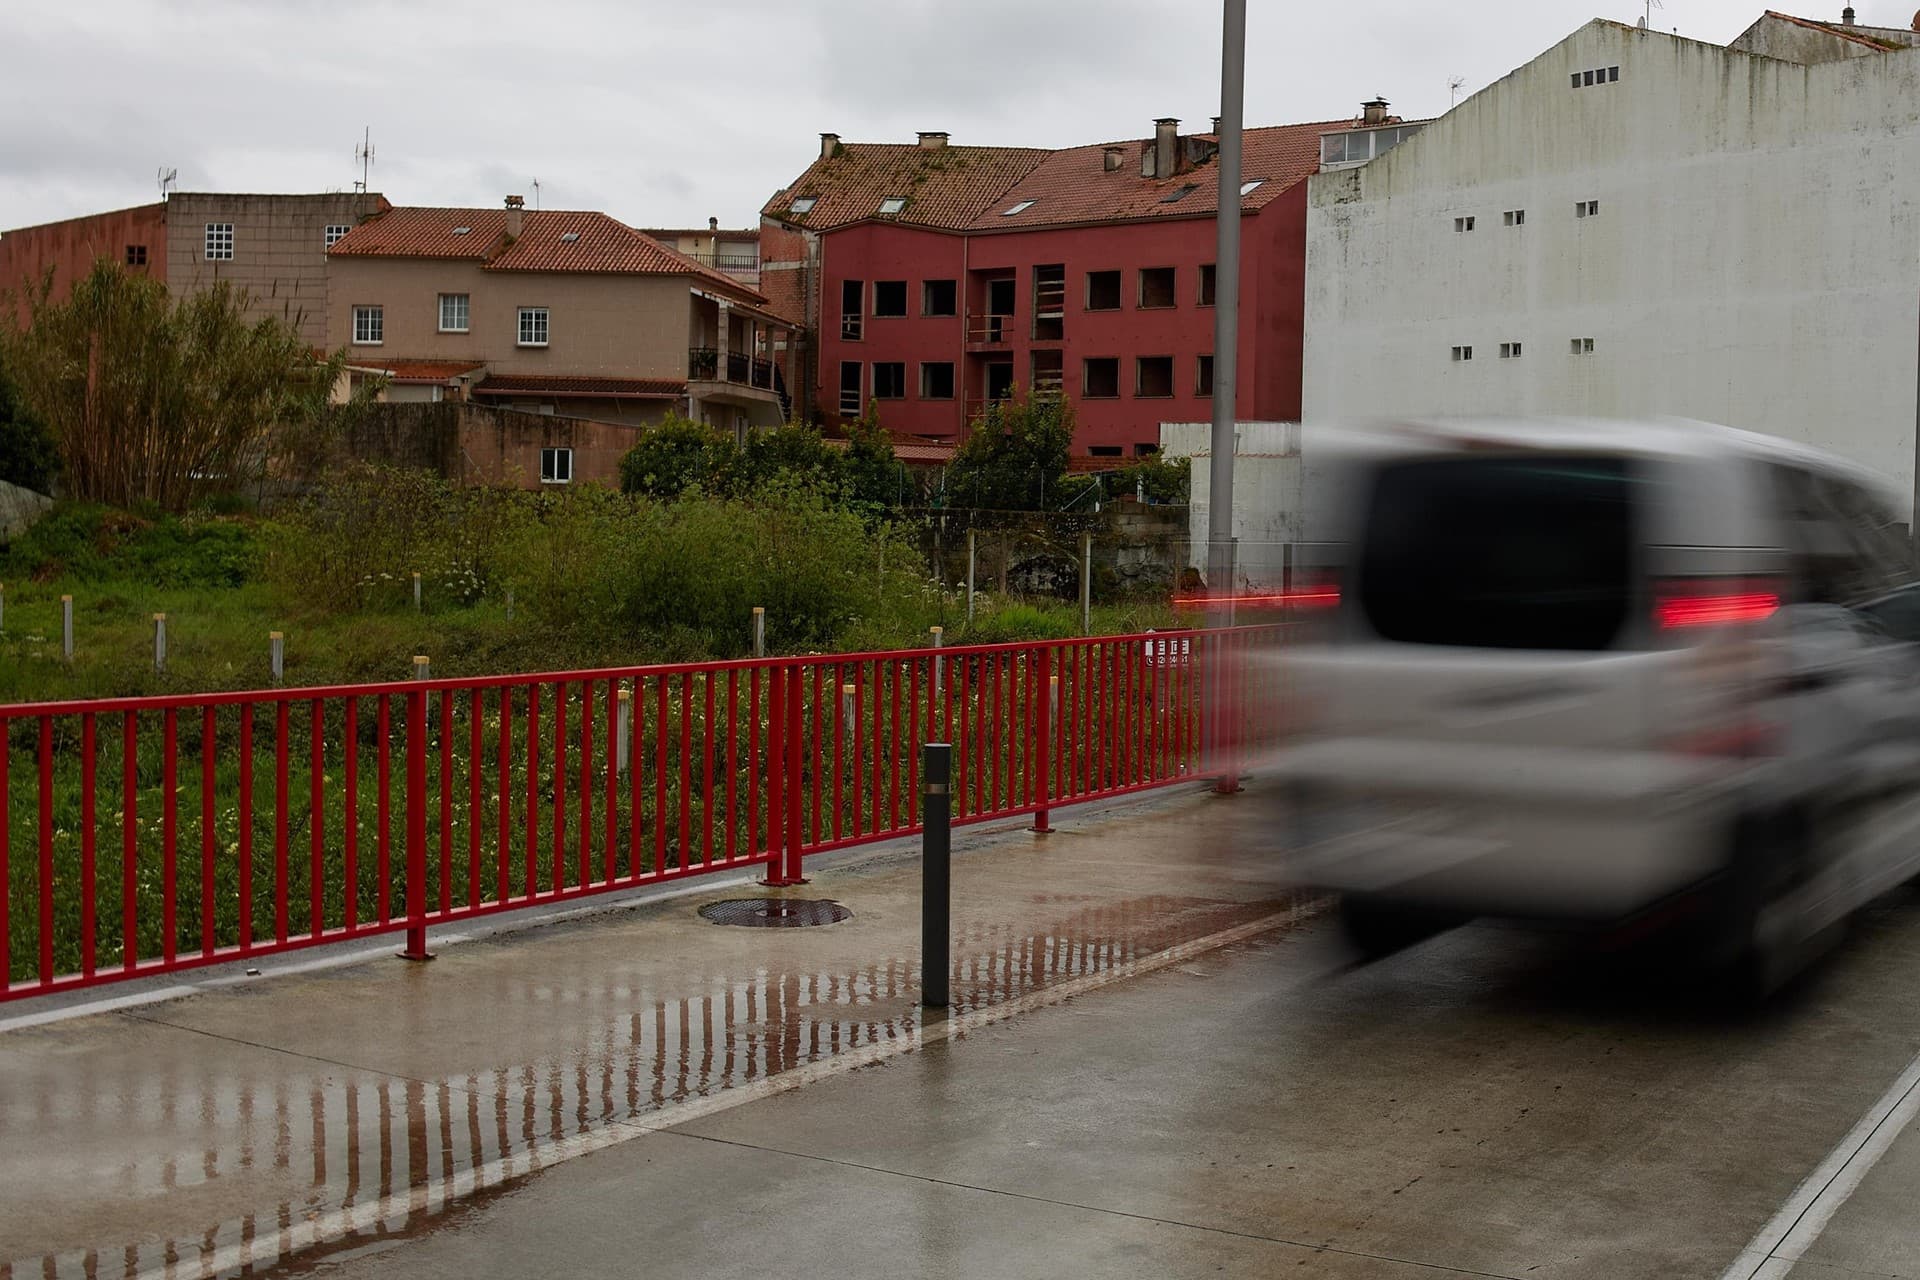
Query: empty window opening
(1048, 373)
(889, 380)
(936, 380)
(1153, 377)
(853, 295)
(1103, 290)
(889, 298)
(1206, 284)
(556, 466)
(1100, 378)
(1105, 451)
(1156, 286)
(939, 298)
(1203, 377)
(850, 378)
(1049, 302)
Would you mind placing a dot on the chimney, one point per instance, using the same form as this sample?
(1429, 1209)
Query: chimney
(1216, 126)
(932, 141)
(516, 216)
(713, 224)
(829, 143)
(1374, 111)
(1846, 16)
(1115, 157)
(1166, 134)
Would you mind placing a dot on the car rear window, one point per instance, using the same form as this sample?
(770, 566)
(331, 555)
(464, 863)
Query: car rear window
(1500, 552)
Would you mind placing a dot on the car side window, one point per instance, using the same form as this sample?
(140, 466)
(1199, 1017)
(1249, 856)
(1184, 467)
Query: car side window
(1835, 560)
(1870, 527)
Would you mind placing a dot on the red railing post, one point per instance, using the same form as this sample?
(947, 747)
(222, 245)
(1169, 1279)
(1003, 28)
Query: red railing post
(416, 946)
(790, 862)
(1042, 744)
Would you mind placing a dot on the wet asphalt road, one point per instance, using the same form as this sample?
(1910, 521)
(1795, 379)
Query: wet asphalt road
(1490, 1103)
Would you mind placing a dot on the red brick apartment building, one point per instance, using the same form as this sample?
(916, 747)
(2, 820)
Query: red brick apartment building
(932, 278)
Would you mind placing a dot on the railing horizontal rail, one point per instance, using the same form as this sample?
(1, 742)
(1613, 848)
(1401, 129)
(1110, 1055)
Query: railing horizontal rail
(154, 834)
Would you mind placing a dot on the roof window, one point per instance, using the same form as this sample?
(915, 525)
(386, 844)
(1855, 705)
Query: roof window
(893, 204)
(461, 231)
(1021, 207)
(1177, 194)
(568, 237)
(1248, 188)
(803, 205)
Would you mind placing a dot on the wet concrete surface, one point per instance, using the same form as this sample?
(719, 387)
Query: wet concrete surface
(562, 1102)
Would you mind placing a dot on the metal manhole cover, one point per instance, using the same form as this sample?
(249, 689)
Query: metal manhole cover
(776, 913)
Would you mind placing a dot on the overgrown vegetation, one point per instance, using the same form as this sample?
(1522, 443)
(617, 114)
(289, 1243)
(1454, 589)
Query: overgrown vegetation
(28, 456)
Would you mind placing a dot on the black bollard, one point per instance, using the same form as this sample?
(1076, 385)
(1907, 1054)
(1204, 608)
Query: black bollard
(936, 874)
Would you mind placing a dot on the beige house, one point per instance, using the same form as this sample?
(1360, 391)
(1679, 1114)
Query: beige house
(734, 250)
(553, 312)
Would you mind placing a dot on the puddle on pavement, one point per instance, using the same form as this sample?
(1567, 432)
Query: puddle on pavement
(390, 1156)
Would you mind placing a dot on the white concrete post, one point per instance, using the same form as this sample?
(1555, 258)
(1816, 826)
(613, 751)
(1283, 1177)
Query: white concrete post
(277, 655)
(1086, 584)
(970, 550)
(621, 746)
(160, 643)
(420, 666)
(939, 663)
(416, 592)
(509, 604)
(759, 632)
(66, 627)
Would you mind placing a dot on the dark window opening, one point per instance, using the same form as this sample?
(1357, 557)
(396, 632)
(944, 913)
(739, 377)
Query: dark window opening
(1146, 450)
(1503, 553)
(999, 379)
(1206, 284)
(1203, 378)
(852, 308)
(936, 380)
(1049, 373)
(1049, 303)
(889, 298)
(1105, 451)
(1153, 376)
(1100, 378)
(1156, 287)
(1103, 290)
(939, 298)
(850, 374)
(889, 380)
(136, 255)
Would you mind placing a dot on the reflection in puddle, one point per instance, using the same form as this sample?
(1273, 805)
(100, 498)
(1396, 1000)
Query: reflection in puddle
(387, 1156)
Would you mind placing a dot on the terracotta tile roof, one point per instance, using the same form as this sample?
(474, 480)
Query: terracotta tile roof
(906, 448)
(1074, 186)
(946, 188)
(535, 384)
(421, 370)
(1836, 29)
(600, 244)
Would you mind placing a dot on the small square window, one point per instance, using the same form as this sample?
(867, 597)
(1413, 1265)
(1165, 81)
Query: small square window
(136, 255)
(1101, 378)
(889, 297)
(1576, 79)
(936, 380)
(939, 298)
(889, 380)
(533, 327)
(1103, 290)
(336, 232)
(453, 313)
(1515, 217)
(1613, 74)
(1153, 377)
(1462, 224)
(1463, 353)
(1509, 351)
(219, 242)
(1105, 451)
(1586, 208)
(1156, 287)
(1203, 377)
(1206, 284)
(892, 205)
(369, 326)
(556, 465)
(1582, 346)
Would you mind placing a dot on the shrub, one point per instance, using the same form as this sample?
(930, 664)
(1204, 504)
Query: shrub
(91, 543)
(676, 455)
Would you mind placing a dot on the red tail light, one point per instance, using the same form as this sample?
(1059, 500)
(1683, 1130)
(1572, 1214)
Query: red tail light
(1322, 592)
(1713, 602)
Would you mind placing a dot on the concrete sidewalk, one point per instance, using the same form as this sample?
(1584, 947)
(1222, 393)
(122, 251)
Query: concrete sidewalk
(250, 1124)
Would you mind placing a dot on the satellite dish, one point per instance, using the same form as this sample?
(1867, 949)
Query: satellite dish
(1640, 23)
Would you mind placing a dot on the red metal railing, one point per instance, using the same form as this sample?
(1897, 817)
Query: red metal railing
(426, 802)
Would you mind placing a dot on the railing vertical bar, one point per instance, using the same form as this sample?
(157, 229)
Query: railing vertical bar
(838, 765)
(280, 818)
(636, 774)
(686, 769)
(706, 770)
(753, 764)
(207, 837)
(862, 740)
(45, 903)
(129, 841)
(896, 747)
(89, 824)
(963, 753)
(532, 851)
(476, 766)
(776, 762)
(733, 761)
(503, 784)
(416, 935)
(913, 742)
(169, 834)
(383, 808)
(6, 857)
(559, 851)
(446, 801)
(583, 856)
(791, 858)
(1129, 722)
(610, 836)
(818, 748)
(662, 719)
(350, 816)
(316, 817)
(245, 868)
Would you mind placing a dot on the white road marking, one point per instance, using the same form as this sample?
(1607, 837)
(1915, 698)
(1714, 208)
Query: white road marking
(338, 1224)
(1792, 1231)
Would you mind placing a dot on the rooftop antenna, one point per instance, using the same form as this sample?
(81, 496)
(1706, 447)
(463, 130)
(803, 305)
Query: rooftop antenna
(536, 193)
(1646, 21)
(1454, 85)
(168, 179)
(363, 156)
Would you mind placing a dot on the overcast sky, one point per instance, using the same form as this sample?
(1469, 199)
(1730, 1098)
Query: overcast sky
(666, 113)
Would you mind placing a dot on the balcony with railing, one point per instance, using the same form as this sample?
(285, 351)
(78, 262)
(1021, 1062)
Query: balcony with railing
(989, 331)
(740, 369)
(743, 263)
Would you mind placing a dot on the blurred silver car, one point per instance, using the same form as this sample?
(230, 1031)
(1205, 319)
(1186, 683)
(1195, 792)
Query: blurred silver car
(1602, 672)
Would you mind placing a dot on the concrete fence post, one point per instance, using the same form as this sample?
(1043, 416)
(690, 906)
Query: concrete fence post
(3, 607)
(970, 551)
(160, 643)
(509, 604)
(416, 592)
(622, 747)
(277, 655)
(66, 627)
(759, 632)
(939, 635)
(420, 667)
(1086, 584)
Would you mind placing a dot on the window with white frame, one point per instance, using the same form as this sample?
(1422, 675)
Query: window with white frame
(556, 466)
(336, 231)
(1509, 351)
(1586, 208)
(453, 313)
(219, 242)
(533, 326)
(1582, 346)
(1463, 353)
(1462, 224)
(1516, 217)
(369, 326)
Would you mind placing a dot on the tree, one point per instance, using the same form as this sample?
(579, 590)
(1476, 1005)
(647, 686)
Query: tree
(153, 401)
(28, 455)
(873, 473)
(675, 455)
(794, 454)
(1014, 454)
